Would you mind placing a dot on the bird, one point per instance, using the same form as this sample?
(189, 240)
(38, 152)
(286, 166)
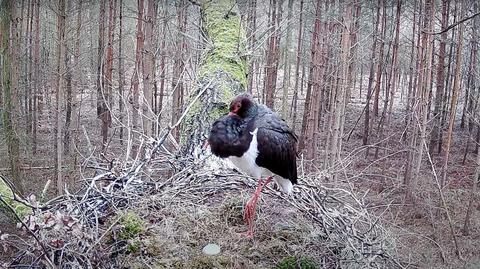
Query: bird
(258, 142)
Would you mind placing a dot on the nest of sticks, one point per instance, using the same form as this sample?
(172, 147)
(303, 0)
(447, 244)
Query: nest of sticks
(82, 229)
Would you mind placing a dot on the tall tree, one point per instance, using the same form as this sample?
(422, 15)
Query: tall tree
(286, 60)
(59, 92)
(456, 89)
(297, 68)
(121, 75)
(179, 65)
(273, 52)
(312, 105)
(366, 127)
(101, 110)
(36, 76)
(440, 83)
(251, 37)
(138, 64)
(108, 74)
(149, 69)
(9, 63)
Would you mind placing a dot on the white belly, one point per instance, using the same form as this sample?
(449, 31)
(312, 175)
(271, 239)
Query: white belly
(247, 164)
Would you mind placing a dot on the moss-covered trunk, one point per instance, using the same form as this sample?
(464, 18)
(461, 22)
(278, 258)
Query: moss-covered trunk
(223, 70)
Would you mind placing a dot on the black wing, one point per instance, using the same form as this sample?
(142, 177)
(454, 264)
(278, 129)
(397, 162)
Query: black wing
(277, 146)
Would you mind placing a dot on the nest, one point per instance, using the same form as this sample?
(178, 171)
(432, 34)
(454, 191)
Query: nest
(87, 229)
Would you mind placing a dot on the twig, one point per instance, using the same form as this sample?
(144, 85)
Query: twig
(452, 25)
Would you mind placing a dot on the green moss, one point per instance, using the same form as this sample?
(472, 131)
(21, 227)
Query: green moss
(131, 226)
(294, 263)
(6, 193)
(226, 35)
(133, 246)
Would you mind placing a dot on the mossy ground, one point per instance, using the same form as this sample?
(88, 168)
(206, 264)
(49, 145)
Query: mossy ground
(180, 230)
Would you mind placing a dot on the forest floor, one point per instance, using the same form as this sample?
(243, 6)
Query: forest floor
(176, 232)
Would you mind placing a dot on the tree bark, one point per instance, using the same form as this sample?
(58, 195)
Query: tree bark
(297, 68)
(59, 81)
(179, 66)
(366, 126)
(286, 66)
(456, 89)
(8, 46)
(312, 104)
(273, 53)
(121, 75)
(36, 76)
(251, 37)
(138, 63)
(440, 84)
(149, 69)
(222, 74)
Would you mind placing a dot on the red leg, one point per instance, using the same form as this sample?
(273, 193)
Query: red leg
(250, 207)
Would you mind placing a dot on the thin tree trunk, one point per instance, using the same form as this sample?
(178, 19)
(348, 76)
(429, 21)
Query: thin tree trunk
(440, 85)
(179, 66)
(101, 110)
(366, 125)
(251, 37)
(456, 89)
(36, 76)
(311, 112)
(138, 64)
(60, 52)
(149, 69)
(297, 68)
(163, 52)
(121, 75)
(286, 73)
(273, 54)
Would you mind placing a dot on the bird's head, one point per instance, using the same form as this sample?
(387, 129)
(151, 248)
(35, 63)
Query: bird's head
(242, 106)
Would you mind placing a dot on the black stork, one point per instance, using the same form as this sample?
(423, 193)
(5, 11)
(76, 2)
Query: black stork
(259, 143)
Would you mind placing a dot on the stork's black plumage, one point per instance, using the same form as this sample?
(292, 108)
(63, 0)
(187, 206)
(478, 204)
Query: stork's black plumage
(256, 140)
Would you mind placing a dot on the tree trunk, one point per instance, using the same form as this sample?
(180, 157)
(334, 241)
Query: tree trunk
(251, 37)
(222, 75)
(148, 116)
(312, 103)
(60, 53)
(380, 61)
(121, 75)
(440, 85)
(163, 57)
(179, 66)
(36, 76)
(366, 126)
(273, 54)
(135, 79)
(101, 110)
(297, 68)
(9, 62)
(286, 73)
(456, 89)
(106, 103)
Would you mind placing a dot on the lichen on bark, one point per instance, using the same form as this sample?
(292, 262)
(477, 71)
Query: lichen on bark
(223, 71)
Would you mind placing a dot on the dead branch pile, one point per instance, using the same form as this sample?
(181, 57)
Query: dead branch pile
(79, 230)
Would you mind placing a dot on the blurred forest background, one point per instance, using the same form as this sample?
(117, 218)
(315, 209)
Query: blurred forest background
(383, 96)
